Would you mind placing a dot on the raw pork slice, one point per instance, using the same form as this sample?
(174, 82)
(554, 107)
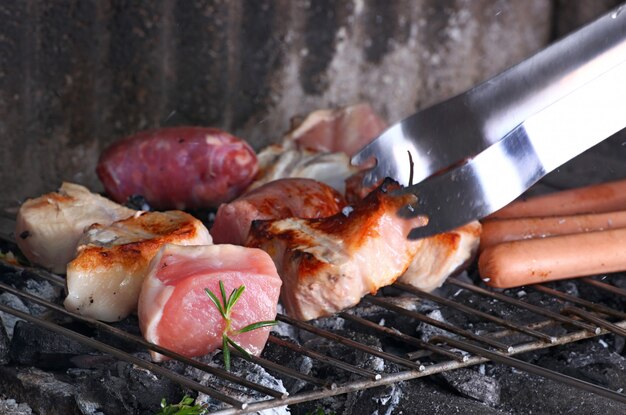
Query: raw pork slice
(49, 227)
(346, 129)
(176, 313)
(329, 264)
(280, 162)
(104, 279)
(284, 198)
(442, 255)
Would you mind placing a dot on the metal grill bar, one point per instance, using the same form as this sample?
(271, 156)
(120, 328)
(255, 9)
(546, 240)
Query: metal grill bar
(340, 339)
(537, 370)
(405, 338)
(373, 379)
(607, 287)
(469, 310)
(522, 304)
(105, 348)
(437, 323)
(576, 300)
(595, 319)
(326, 359)
(139, 340)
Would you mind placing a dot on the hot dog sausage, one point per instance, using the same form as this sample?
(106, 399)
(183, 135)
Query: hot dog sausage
(531, 261)
(598, 198)
(178, 167)
(505, 230)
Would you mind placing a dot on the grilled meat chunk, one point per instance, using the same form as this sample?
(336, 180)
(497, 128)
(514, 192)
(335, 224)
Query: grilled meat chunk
(49, 227)
(104, 279)
(329, 264)
(442, 255)
(284, 198)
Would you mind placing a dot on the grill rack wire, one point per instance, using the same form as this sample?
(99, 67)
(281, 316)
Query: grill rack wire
(463, 347)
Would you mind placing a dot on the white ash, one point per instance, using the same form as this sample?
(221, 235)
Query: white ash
(8, 319)
(87, 406)
(244, 369)
(347, 210)
(284, 329)
(427, 331)
(10, 406)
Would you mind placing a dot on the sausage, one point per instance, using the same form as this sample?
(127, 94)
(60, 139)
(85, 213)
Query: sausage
(178, 167)
(531, 261)
(505, 230)
(598, 198)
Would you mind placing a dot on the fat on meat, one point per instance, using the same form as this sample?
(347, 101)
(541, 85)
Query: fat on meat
(283, 198)
(442, 255)
(283, 161)
(178, 167)
(329, 264)
(49, 227)
(175, 312)
(346, 129)
(104, 280)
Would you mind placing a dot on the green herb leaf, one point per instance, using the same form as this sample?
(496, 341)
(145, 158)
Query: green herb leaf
(225, 307)
(240, 349)
(226, 351)
(224, 300)
(255, 326)
(234, 297)
(184, 407)
(217, 303)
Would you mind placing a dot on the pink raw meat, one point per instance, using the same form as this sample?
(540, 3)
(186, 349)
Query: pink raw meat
(176, 313)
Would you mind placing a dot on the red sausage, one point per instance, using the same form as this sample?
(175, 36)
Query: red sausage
(178, 167)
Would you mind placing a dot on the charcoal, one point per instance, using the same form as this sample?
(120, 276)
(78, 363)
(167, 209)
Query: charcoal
(4, 346)
(36, 346)
(288, 358)
(9, 320)
(10, 406)
(472, 384)
(129, 325)
(240, 367)
(42, 391)
(124, 388)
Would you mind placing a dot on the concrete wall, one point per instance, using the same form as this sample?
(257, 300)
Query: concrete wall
(75, 75)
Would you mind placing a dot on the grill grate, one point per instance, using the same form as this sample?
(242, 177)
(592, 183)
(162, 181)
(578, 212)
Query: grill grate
(573, 319)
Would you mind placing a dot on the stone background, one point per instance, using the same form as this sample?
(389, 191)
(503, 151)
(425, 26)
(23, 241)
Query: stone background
(75, 75)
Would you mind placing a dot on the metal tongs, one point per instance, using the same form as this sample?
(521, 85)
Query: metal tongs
(473, 154)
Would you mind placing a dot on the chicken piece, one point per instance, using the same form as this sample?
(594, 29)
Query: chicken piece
(329, 264)
(49, 227)
(104, 279)
(284, 198)
(442, 255)
(176, 313)
(280, 162)
(345, 130)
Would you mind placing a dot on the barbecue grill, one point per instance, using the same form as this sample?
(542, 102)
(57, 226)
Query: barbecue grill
(399, 335)
(550, 317)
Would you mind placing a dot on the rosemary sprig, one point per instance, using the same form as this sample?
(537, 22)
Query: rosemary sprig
(225, 308)
(184, 407)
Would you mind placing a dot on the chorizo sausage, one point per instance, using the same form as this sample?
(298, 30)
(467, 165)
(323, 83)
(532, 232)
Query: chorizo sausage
(178, 167)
